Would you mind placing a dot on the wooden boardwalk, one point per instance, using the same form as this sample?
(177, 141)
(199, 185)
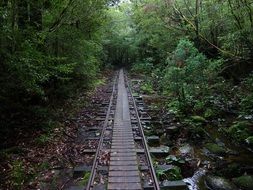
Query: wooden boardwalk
(123, 168)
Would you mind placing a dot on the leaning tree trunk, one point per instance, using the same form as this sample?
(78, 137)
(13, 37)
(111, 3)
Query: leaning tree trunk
(197, 7)
(29, 14)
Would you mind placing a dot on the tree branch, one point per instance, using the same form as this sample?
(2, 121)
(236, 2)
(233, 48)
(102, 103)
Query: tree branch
(203, 37)
(57, 23)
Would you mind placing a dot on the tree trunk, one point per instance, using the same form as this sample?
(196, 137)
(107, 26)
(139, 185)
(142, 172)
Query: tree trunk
(197, 6)
(22, 14)
(29, 14)
(35, 15)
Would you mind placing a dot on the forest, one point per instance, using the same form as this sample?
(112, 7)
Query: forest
(196, 56)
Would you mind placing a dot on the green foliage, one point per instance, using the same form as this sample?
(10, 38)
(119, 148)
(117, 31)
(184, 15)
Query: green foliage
(186, 76)
(171, 174)
(171, 159)
(46, 136)
(246, 102)
(240, 131)
(42, 139)
(118, 42)
(249, 141)
(144, 67)
(210, 113)
(49, 50)
(85, 178)
(215, 149)
(193, 82)
(198, 119)
(147, 87)
(244, 182)
(17, 174)
(44, 166)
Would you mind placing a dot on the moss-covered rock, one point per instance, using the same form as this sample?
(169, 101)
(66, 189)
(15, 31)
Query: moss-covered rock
(210, 113)
(249, 141)
(197, 118)
(240, 130)
(245, 182)
(231, 170)
(215, 149)
(219, 183)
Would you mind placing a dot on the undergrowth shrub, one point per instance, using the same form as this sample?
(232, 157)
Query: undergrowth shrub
(246, 98)
(18, 174)
(143, 67)
(183, 76)
(188, 77)
(40, 74)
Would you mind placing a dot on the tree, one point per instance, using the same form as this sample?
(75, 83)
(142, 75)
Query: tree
(49, 49)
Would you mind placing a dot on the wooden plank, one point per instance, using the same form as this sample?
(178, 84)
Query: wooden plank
(121, 137)
(122, 174)
(122, 146)
(123, 142)
(123, 168)
(124, 179)
(123, 158)
(123, 163)
(122, 150)
(125, 186)
(126, 154)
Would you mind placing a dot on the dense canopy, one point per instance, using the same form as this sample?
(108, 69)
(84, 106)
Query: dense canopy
(196, 53)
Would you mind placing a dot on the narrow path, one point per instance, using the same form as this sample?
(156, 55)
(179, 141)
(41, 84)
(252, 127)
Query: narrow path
(123, 168)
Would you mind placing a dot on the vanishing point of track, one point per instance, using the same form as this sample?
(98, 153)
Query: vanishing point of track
(124, 170)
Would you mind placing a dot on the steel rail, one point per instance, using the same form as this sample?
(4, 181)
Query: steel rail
(153, 174)
(99, 148)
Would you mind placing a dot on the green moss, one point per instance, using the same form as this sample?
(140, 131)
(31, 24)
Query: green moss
(249, 140)
(240, 131)
(43, 139)
(215, 149)
(244, 182)
(171, 174)
(85, 178)
(44, 165)
(17, 174)
(197, 118)
(231, 170)
(209, 113)
(147, 88)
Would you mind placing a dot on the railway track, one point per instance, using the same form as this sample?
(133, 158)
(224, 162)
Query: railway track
(121, 155)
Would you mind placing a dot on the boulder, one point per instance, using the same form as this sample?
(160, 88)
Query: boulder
(215, 149)
(249, 141)
(197, 118)
(244, 182)
(219, 183)
(153, 140)
(186, 150)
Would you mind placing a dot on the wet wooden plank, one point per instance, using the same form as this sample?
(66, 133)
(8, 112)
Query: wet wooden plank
(132, 145)
(125, 186)
(126, 154)
(123, 163)
(129, 135)
(122, 142)
(123, 158)
(122, 174)
(122, 150)
(123, 168)
(122, 138)
(122, 147)
(124, 179)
